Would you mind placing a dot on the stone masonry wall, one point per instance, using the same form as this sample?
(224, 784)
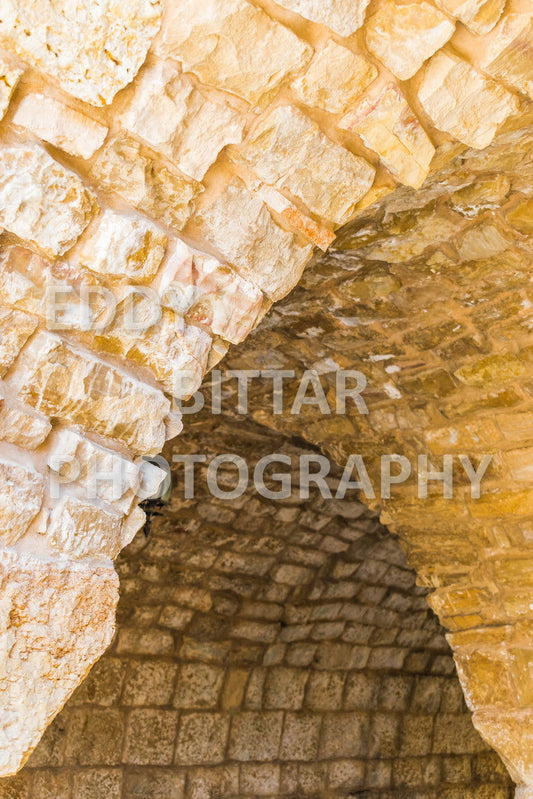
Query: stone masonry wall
(266, 649)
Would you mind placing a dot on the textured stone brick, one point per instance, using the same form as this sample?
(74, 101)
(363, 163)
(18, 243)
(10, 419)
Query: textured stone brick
(255, 736)
(198, 686)
(479, 15)
(150, 683)
(344, 17)
(202, 738)
(150, 737)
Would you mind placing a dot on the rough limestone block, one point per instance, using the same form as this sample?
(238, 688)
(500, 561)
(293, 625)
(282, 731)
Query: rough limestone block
(159, 339)
(209, 294)
(103, 474)
(124, 167)
(92, 49)
(288, 151)
(60, 380)
(388, 126)
(15, 329)
(82, 529)
(320, 234)
(22, 426)
(122, 246)
(56, 618)
(41, 201)
(9, 77)
(56, 123)
(178, 121)
(21, 496)
(508, 52)
(335, 78)
(479, 15)
(342, 16)
(232, 45)
(241, 228)
(404, 36)
(462, 102)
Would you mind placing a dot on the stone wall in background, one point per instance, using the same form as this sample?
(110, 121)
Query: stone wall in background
(265, 649)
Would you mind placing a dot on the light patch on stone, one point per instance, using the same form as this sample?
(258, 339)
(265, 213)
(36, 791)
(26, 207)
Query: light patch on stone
(232, 45)
(335, 79)
(40, 201)
(22, 426)
(319, 234)
(56, 620)
(122, 246)
(9, 77)
(508, 52)
(178, 121)
(21, 496)
(82, 529)
(92, 49)
(388, 126)
(60, 380)
(463, 102)
(404, 36)
(56, 123)
(241, 228)
(125, 168)
(342, 16)
(287, 150)
(478, 15)
(15, 329)
(207, 293)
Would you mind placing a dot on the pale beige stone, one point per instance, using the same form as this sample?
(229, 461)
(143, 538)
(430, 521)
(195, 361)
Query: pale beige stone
(207, 293)
(342, 16)
(241, 228)
(463, 102)
(335, 78)
(232, 45)
(507, 54)
(21, 497)
(41, 201)
(122, 246)
(61, 380)
(56, 123)
(287, 150)
(124, 167)
(92, 50)
(9, 77)
(177, 120)
(479, 15)
(56, 618)
(15, 329)
(404, 36)
(318, 233)
(388, 126)
(82, 529)
(22, 426)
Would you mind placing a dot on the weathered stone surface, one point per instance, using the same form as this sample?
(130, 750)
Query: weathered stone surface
(288, 151)
(55, 618)
(404, 36)
(335, 78)
(81, 529)
(122, 246)
(462, 102)
(21, 496)
(91, 51)
(177, 120)
(320, 234)
(242, 229)
(22, 426)
(124, 167)
(15, 329)
(479, 15)
(213, 41)
(507, 54)
(60, 380)
(343, 17)
(10, 76)
(60, 125)
(41, 201)
(388, 126)
(209, 294)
